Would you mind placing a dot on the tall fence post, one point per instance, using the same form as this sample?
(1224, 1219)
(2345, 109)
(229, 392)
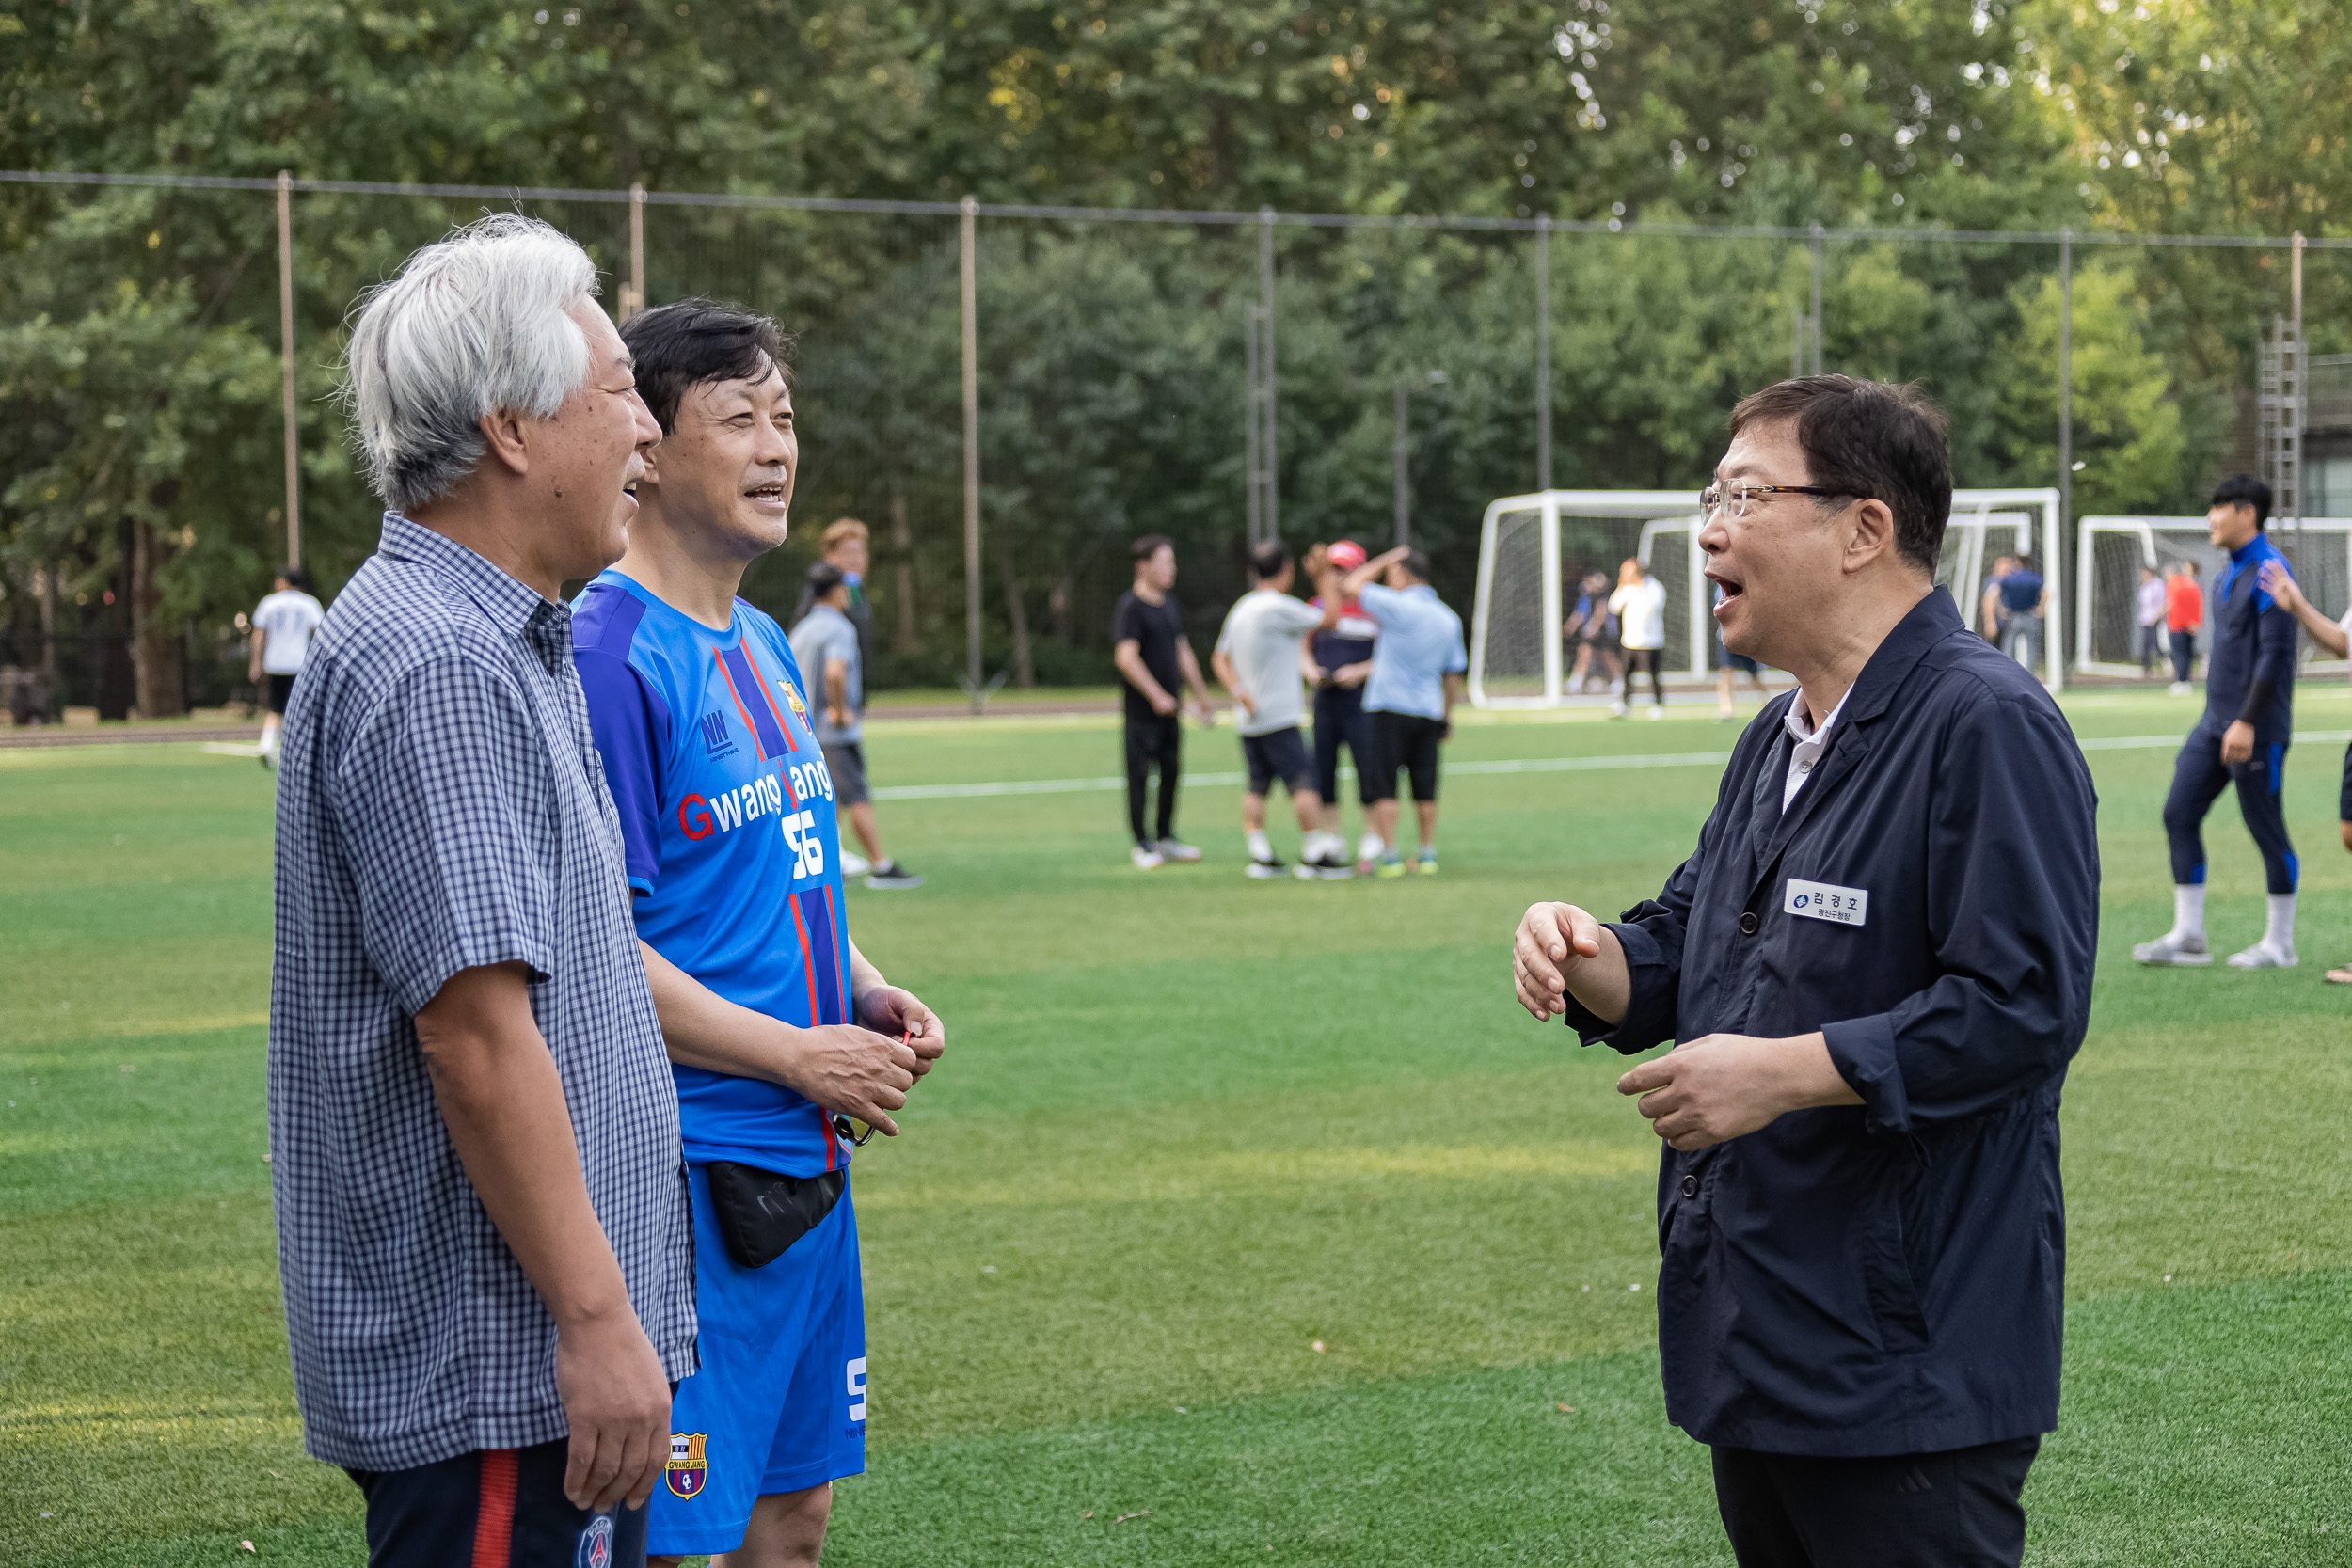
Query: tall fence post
(1542, 351)
(1251, 461)
(286, 358)
(633, 292)
(1270, 516)
(972, 449)
(2299, 405)
(2055, 553)
(1817, 299)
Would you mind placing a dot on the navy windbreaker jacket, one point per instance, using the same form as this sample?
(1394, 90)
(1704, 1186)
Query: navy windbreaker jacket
(1883, 1278)
(2249, 672)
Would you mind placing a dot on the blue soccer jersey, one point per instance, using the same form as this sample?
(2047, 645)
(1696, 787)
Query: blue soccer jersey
(732, 848)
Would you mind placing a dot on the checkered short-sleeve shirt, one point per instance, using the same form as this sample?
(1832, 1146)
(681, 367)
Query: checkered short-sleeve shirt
(440, 807)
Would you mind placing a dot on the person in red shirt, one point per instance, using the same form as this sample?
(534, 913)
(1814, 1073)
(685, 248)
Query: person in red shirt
(2183, 612)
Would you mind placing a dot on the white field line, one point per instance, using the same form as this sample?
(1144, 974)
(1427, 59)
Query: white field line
(1455, 770)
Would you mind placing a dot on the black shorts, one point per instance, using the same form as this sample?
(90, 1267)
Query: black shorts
(504, 1507)
(1409, 741)
(2343, 796)
(846, 761)
(281, 692)
(1278, 755)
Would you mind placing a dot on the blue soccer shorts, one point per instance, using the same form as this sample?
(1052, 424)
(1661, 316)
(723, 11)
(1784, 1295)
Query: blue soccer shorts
(779, 1404)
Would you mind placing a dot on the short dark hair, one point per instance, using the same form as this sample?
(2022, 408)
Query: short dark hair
(824, 577)
(296, 578)
(1417, 562)
(2244, 490)
(1267, 560)
(1877, 440)
(1149, 545)
(695, 341)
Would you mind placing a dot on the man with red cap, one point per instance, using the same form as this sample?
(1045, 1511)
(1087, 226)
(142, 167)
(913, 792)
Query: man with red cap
(1337, 662)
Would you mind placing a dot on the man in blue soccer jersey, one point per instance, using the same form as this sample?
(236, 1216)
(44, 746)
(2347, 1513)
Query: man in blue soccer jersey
(2242, 738)
(782, 1037)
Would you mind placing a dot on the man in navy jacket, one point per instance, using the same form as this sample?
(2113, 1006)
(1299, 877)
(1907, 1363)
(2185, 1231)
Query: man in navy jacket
(1876, 966)
(2242, 738)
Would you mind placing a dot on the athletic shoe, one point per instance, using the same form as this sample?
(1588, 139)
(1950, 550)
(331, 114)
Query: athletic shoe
(1145, 857)
(2179, 689)
(1390, 865)
(2263, 956)
(854, 864)
(890, 874)
(1427, 864)
(1332, 866)
(1616, 710)
(1658, 713)
(1178, 850)
(2169, 949)
(1267, 869)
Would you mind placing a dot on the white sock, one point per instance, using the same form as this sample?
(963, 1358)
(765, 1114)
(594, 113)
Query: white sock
(2188, 909)
(2279, 927)
(1259, 849)
(1428, 850)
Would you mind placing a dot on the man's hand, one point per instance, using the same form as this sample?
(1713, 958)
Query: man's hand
(1352, 674)
(844, 1067)
(2279, 584)
(1720, 1086)
(2237, 743)
(836, 715)
(1249, 704)
(616, 1400)
(1552, 939)
(1202, 711)
(896, 1010)
(1162, 703)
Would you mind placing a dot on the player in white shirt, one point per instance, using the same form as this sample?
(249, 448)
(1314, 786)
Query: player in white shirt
(1257, 657)
(1639, 606)
(282, 628)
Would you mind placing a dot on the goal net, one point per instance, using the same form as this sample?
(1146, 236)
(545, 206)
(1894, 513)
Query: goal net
(2110, 552)
(1534, 550)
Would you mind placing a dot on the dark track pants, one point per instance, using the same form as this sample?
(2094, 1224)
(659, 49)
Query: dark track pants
(1339, 718)
(502, 1508)
(1952, 1509)
(2183, 654)
(1153, 740)
(2198, 778)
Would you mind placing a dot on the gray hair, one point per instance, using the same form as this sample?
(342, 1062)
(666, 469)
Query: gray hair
(470, 324)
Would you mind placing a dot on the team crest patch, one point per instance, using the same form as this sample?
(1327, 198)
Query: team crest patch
(595, 1544)
(687, 1469)
(792, 701)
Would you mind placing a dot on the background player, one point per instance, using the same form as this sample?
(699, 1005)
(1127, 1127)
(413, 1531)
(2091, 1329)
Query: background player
(1148, 644)
(1595, 630)
(2149, 612)
(1416, 679)
(282, 625)
(847, 546)
(833, 654)
(1337, 663)
(2183, 612)
(2242, 738)
(2336, 636)
(1257, 656)
(773, 1019)
(1640, 607)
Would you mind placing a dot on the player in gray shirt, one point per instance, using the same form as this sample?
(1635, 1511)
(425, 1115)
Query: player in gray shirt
(825, 644)
(1257, 657)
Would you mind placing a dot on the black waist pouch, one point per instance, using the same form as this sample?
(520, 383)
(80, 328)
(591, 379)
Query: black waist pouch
(762, 1213)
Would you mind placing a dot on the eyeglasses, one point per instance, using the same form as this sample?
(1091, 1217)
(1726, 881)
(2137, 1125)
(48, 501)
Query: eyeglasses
(1733, 498)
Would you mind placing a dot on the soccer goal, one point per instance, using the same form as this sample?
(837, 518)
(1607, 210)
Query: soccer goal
(1534, 549)
(2110, 552)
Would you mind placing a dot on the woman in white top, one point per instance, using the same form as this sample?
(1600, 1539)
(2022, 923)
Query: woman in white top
(1639, 606)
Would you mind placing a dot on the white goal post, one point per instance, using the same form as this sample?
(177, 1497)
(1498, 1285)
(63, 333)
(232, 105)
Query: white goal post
(1532, 549)
(2110, 552)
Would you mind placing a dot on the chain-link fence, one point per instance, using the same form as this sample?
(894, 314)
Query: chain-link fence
(1395, 362)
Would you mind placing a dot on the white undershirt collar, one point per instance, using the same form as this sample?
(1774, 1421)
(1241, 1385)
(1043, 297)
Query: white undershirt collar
(1810, 743)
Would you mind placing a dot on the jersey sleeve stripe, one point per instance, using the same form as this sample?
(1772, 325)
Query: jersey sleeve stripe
(726, 672)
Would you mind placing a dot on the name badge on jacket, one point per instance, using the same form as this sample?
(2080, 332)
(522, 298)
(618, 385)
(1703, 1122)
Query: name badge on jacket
(1843, 906)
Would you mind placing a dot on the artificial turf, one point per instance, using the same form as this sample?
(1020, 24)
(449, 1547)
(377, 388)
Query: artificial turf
(1189, 1126)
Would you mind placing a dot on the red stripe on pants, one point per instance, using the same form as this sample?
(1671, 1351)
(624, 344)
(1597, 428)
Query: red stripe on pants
(494, 1520)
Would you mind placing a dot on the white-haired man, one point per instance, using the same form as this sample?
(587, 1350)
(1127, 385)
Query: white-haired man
(482, 1216)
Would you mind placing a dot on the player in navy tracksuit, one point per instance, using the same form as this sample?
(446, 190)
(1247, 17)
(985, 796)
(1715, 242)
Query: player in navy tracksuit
(2242, 738)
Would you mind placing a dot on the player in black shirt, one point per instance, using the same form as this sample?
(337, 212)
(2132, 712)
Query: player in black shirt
(1148, 646)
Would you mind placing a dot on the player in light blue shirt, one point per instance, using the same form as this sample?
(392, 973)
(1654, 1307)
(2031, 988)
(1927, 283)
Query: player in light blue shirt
(784, 1041)
(1416, 679)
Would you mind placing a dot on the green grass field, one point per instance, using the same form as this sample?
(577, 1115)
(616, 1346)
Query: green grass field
(1189, 1125)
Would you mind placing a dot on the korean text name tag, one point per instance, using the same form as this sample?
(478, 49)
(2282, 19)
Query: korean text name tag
(1844, 906)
